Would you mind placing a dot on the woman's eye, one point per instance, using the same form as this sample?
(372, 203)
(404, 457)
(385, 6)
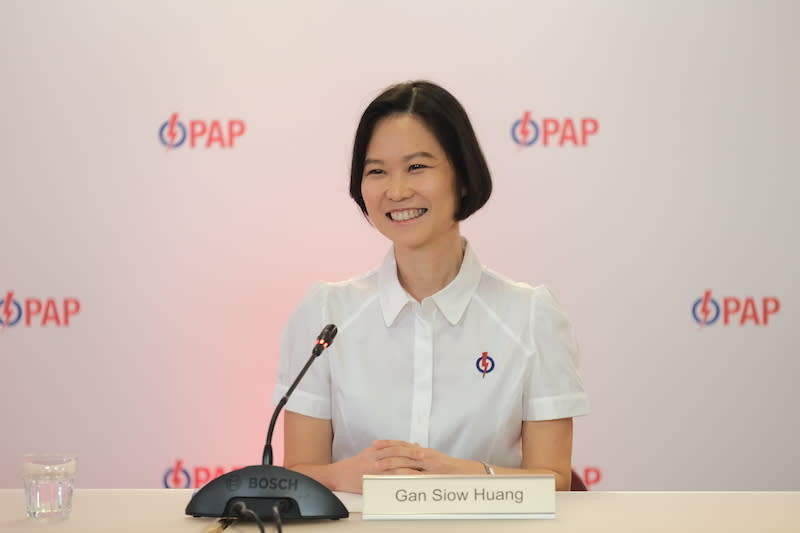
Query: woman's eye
(417, 166)
(374, 171)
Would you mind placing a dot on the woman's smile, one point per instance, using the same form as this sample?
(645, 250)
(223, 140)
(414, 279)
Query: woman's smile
(406, 215)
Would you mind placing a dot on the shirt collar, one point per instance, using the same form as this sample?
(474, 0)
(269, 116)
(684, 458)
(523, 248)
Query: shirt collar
(452, 301)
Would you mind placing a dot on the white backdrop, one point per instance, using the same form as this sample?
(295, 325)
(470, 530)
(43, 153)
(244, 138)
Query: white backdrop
(187, 261)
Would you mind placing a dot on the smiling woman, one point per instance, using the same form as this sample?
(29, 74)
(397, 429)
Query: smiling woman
(410, 193)
(441, 366)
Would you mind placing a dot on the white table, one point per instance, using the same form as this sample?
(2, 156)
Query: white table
(155, 510)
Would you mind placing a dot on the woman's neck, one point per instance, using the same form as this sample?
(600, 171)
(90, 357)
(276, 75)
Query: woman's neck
(425, 271)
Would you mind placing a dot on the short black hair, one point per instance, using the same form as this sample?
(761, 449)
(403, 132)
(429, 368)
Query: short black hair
(449, 123)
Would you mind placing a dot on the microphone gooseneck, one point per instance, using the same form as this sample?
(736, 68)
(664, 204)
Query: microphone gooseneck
(324, 339)
(266, 491)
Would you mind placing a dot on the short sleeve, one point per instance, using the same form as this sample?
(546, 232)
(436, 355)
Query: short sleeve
(554, 389)
(312, 397)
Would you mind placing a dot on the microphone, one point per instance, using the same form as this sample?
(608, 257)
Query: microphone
(324, 339)
(265, 486)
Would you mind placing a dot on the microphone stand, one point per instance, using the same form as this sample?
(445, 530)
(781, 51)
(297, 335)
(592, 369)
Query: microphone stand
(264, 486)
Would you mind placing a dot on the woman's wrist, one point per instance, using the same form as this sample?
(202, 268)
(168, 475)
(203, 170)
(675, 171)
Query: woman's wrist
(473, 468)
(345, 476)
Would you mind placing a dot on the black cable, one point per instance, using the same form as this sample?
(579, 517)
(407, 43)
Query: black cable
(276, 515)
(252, 514)
(242, 510)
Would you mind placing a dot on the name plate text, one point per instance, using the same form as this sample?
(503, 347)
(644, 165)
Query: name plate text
(426, 497)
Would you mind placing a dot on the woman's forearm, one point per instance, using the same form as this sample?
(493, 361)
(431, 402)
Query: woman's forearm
(333, 475)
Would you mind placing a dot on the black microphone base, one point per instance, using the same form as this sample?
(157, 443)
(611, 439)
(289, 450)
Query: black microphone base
(263, 486)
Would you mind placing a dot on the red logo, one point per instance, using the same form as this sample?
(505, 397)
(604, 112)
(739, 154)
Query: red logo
(173, 133)
(707, 310)
(42, 311)
(484, 364)
(527, 131)
(181, 477)
(591, 476)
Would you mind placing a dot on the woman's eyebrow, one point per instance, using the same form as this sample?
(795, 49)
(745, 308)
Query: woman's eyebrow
(405, 158)
(418, 154)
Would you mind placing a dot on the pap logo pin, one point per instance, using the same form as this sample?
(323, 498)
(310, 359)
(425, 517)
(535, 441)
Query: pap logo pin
(484, 364)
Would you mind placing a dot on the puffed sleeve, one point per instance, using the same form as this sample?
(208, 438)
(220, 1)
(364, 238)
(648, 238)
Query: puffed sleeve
(554, 389)
(312, 397)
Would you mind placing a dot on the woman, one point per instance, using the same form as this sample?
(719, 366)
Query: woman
(441, 366)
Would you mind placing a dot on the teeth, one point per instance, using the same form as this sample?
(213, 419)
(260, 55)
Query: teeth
(407, 214)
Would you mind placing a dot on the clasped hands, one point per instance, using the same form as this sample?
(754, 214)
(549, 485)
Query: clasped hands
(397, 457)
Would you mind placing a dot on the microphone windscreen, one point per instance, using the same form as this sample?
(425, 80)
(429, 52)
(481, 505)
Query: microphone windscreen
(328, 334)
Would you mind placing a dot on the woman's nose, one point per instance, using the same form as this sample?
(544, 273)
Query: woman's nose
(398, 187)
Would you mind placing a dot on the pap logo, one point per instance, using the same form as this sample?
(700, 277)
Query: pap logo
(174, 133)
(180, 477)
(43, 312)
(527, 131)
(591, 476)
(484, 364)
(707, 310)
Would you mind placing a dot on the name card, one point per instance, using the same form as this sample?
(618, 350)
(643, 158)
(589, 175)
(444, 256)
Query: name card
(426, 497)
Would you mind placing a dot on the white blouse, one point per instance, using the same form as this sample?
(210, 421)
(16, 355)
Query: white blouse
(458, 372)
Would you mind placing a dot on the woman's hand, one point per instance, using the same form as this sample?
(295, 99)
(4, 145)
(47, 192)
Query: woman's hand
(397, 457)
(425, 460)
(312, 455)
(384, 457)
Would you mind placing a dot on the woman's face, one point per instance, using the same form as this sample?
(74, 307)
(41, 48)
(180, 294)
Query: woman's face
(409, 184)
